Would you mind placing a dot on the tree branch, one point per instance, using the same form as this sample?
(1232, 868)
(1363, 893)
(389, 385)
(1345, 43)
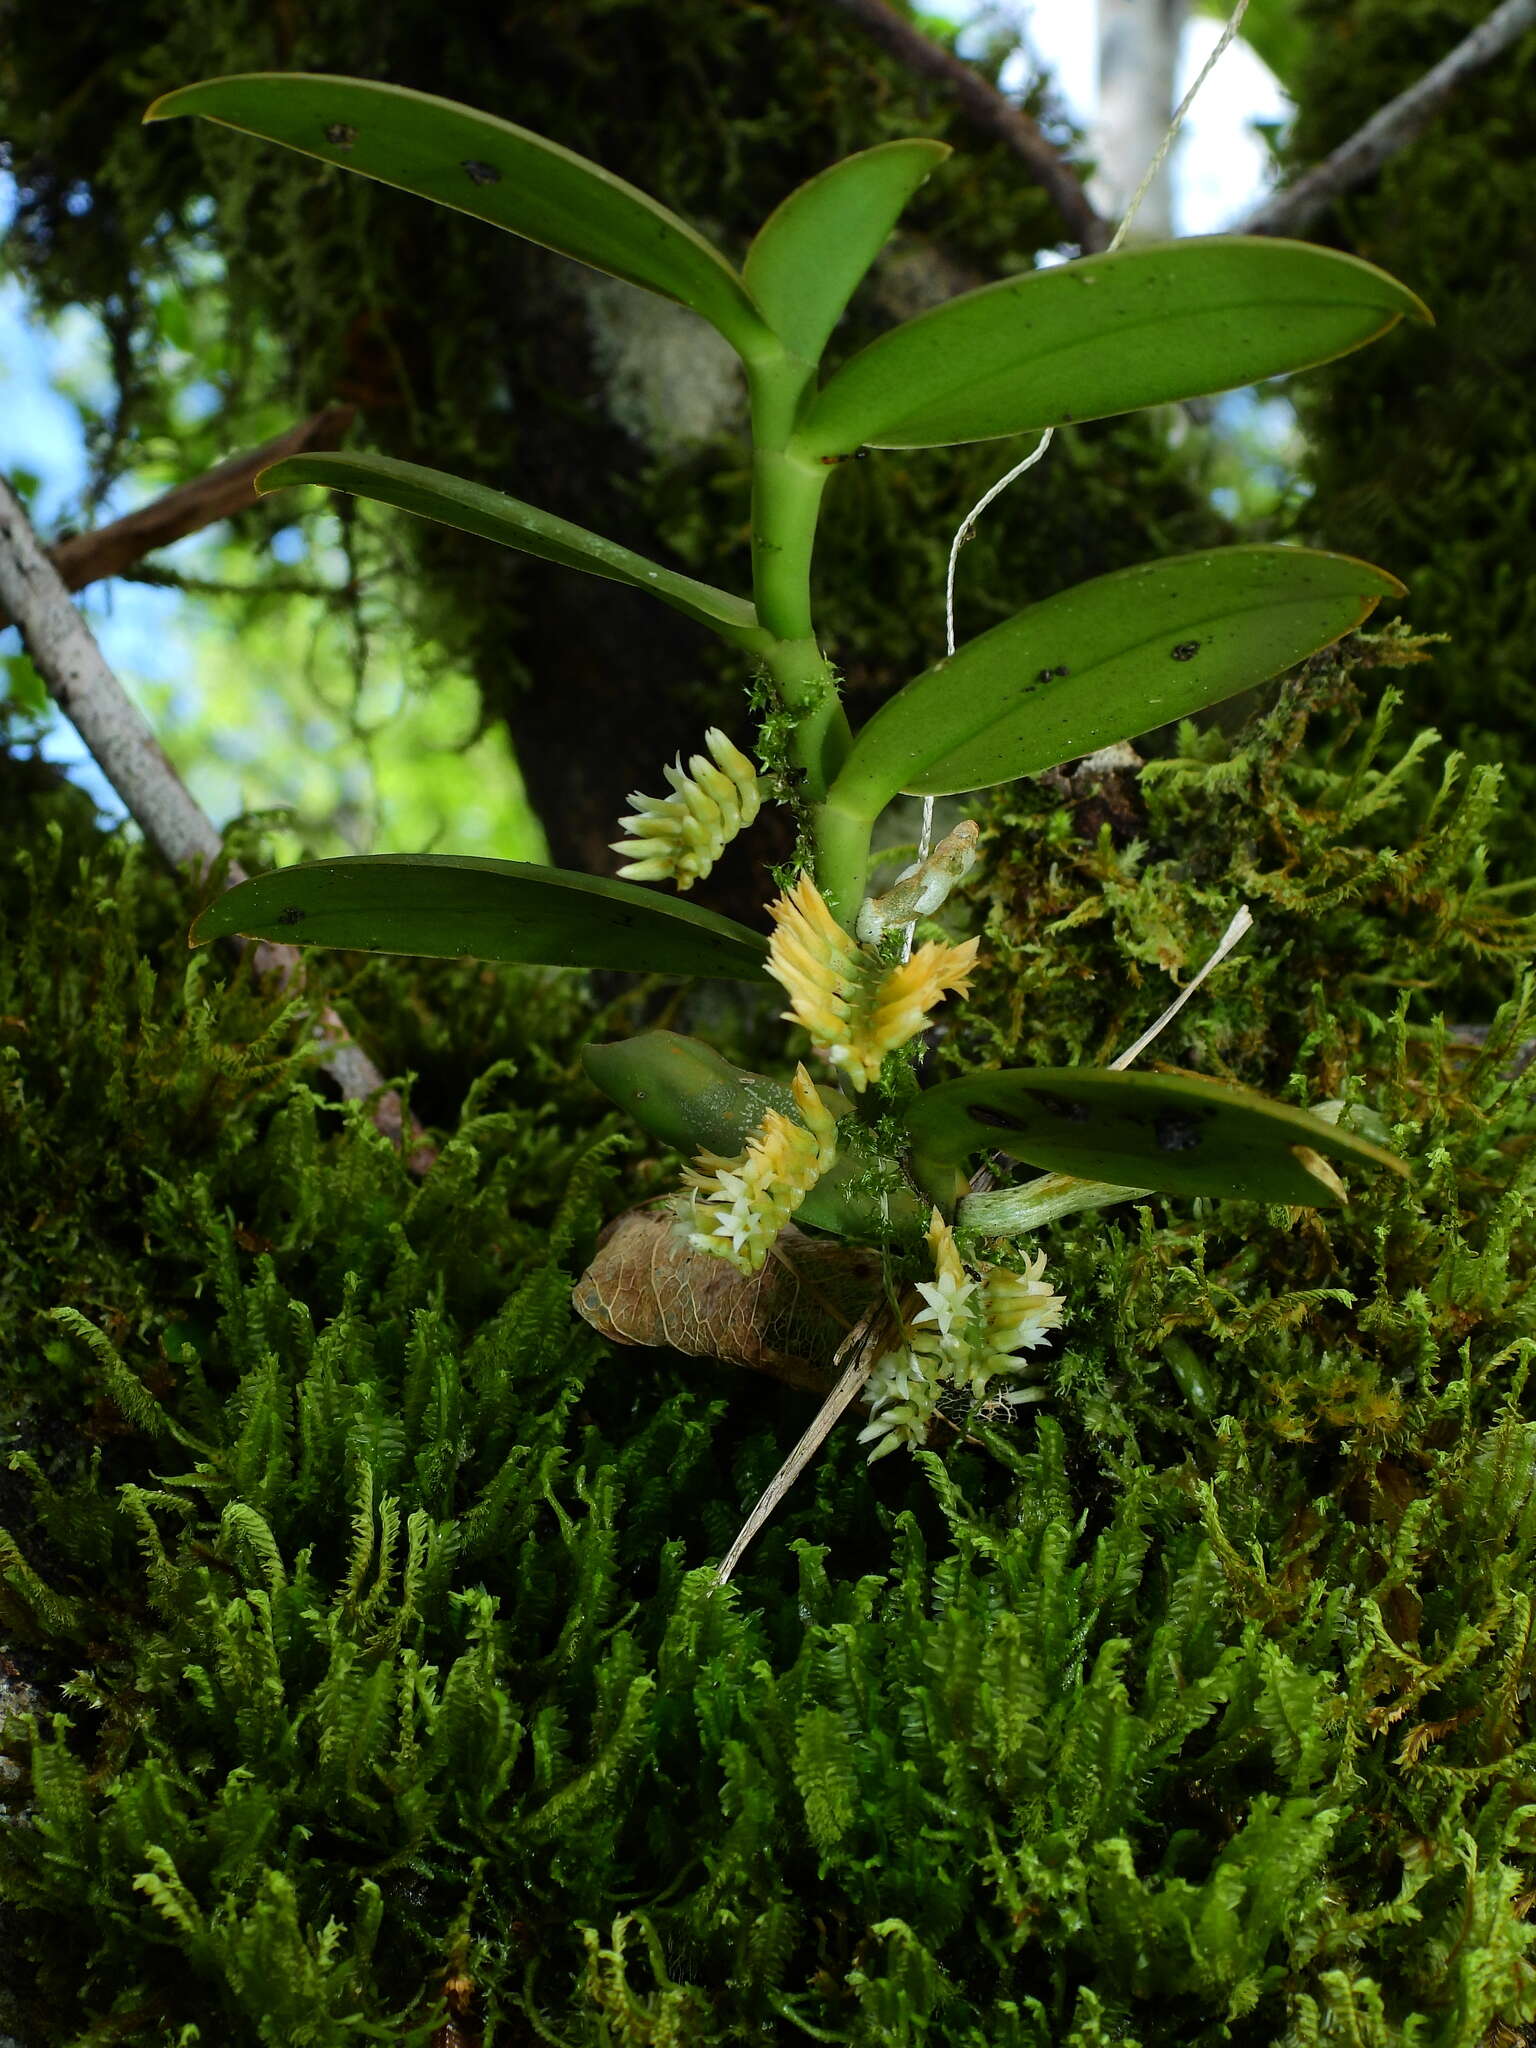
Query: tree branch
(1287, 212)
(987, 109)
(229, 488)
(1390, 129)
(66, 656)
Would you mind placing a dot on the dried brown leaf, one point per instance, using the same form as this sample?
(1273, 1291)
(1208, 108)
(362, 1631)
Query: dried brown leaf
(648, 1285)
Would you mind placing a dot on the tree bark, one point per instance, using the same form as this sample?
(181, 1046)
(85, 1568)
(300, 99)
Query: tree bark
(1138, 73)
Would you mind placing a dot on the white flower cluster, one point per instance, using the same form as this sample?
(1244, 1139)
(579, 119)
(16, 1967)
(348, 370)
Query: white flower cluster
(678, 838)
(967, 1333)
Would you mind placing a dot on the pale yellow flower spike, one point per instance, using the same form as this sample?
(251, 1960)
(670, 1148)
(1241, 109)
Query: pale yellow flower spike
(743, 1203)
(679, 838)
(968, 1331)
(856, 1008)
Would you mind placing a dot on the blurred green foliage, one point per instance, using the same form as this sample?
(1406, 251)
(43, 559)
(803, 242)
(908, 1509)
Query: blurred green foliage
(1426, 457)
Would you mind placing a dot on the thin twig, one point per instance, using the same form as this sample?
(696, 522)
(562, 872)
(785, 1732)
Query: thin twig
(154, 577)
(218, 494)
(987, 109)
(1390, 129)
(66, 656)
(861, 1348)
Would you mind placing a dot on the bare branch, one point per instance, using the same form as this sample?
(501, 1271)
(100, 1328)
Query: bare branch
(1390, 129)
(66, 656)
(231, 487)
(987, 109)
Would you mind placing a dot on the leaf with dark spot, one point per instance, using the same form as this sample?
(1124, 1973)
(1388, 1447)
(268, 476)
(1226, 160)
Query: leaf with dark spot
(1176, 1130)
(1178, 1133)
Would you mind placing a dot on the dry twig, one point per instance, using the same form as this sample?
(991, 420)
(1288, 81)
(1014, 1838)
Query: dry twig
(220, 493)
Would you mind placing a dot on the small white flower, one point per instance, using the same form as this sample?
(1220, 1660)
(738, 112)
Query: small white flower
(967, 1334)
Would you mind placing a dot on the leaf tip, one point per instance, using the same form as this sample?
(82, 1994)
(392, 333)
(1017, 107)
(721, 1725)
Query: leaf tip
(1417, 310)
(272, 478)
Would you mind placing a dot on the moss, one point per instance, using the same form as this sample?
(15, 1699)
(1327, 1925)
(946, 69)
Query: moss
(1425, 448)
(369, 1597)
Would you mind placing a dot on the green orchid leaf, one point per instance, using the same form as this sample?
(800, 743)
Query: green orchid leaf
(811, 252)
(486, 167)
(448, 905)
(1102, 662)
(1176, 1133)
(687, 1095)
(1101, 336)
(474, 508)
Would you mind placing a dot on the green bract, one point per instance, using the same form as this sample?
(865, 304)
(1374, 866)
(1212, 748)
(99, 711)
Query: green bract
(1095, 664)
(684, 1093)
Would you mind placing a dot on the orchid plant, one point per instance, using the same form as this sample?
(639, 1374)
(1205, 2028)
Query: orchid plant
(864, 1152)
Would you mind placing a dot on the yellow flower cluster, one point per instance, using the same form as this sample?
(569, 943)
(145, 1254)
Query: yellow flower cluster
(679, 838)
(968, 1331)
(855, 1006)
(744, 1202)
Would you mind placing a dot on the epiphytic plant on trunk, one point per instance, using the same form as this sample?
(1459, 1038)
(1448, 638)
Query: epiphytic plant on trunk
(877, 1158)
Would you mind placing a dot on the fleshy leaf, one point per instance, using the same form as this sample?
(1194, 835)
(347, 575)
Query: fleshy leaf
(690, 1097)
(1103, 661)
(811, 252)
(1104, 335)
(475, 508)
(1178, 1133)
(486, 167)
(449, 905)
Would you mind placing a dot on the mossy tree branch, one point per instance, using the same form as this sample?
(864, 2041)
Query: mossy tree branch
(85, 688)
(1391, 128)
(1289, 212)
